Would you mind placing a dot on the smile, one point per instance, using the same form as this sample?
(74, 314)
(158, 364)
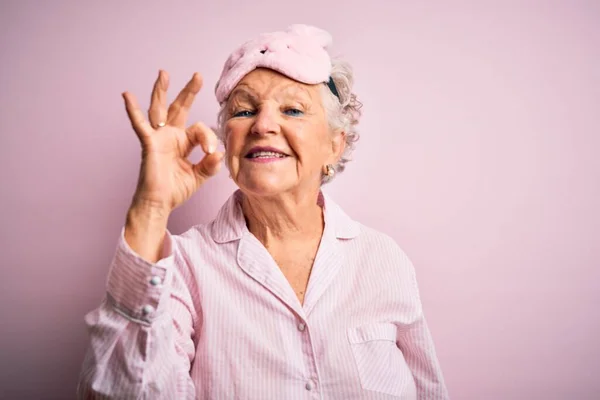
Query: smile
(265, 154)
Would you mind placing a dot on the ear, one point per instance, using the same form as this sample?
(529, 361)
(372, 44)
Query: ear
(338, 145)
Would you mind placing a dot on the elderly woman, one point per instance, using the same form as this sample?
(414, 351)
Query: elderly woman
(282, 296)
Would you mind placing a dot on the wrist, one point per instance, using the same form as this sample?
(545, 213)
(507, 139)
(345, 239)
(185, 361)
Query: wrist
(147, 214)
(145, 230)
(143, 207)
(147, 219)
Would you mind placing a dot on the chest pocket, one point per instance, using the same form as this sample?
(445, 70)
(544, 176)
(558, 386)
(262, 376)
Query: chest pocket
(381, 365)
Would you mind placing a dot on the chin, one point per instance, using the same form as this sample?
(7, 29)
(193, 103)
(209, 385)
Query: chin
(264, 185)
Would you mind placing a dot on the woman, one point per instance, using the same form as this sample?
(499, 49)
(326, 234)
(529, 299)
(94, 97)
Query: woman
(282, 296)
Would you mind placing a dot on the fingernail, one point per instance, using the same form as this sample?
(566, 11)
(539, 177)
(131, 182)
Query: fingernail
(210, 149)
(161, 124)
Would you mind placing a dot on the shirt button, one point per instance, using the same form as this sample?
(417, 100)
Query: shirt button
(309, 385)
(301, 327)
(155, 281)
(147, 309)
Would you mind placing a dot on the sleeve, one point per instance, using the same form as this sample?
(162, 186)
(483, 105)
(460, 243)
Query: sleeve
(141, 336)
(418, 348)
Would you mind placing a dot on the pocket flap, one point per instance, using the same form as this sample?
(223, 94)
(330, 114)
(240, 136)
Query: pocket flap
(369, 332)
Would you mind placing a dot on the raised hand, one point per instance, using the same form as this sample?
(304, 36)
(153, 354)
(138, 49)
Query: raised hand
(167, 178)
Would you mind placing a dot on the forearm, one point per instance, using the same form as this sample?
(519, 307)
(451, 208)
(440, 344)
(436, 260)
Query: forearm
(135, 349)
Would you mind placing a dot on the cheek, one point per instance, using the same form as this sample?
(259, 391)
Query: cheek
(235, 134)
(310, 143)
(234, 143)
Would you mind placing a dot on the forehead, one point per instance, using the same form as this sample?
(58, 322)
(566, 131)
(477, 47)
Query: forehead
(265, 83)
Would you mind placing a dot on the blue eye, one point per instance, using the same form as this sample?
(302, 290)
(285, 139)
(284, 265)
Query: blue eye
(294, 112)
(244, 113)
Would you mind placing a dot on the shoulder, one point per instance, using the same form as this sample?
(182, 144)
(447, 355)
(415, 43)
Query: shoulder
(381, 254)
(194, 236)
(380, 258)
(382, 244)
(367, 240)
(191, 245)
(226, 226)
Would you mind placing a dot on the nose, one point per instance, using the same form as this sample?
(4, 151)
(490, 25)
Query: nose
(266, 121)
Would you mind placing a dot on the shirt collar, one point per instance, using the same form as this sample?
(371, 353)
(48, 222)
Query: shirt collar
(230, 223)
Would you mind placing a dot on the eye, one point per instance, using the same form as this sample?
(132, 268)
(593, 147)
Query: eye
(243, 113)
(294, 112)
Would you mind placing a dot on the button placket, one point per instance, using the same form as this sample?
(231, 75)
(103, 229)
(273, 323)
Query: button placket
(312, 375)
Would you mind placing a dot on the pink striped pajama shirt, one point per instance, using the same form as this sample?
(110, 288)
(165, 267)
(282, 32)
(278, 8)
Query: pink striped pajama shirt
(215, 318)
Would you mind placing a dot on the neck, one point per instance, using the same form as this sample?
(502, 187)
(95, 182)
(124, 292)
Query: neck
(284, 217)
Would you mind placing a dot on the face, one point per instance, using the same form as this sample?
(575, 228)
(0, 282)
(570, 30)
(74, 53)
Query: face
(277, 136)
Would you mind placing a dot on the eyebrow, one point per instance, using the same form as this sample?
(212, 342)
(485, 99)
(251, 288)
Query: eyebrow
(243, 93)
(294, 89)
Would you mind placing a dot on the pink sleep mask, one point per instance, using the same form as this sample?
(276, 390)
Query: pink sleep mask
(299, 52)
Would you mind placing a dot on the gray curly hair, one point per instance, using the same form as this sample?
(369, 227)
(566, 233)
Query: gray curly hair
(343, 114)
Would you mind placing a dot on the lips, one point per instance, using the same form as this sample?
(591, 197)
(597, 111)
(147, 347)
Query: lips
(265, 152)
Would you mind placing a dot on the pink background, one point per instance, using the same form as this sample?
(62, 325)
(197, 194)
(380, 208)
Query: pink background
(479, 155)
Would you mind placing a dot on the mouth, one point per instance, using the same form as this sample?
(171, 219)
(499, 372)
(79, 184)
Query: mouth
(265, 153)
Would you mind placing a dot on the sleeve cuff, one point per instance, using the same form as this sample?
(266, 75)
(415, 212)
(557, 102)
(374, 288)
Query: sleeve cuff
(136, 288)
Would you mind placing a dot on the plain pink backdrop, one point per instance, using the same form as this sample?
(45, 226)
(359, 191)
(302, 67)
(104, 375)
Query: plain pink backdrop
(478, 155)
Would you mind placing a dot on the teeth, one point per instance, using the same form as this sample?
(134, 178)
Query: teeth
(266, 154)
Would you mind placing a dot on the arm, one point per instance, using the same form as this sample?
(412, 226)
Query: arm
(138, 352)
(418, 348)
(141, 337)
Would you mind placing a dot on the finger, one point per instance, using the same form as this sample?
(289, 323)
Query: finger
(208, 166)
(179, 109)
(157, 113)
(141, 127)
(200, 134)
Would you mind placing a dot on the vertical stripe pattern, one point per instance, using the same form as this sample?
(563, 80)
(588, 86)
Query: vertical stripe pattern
(216, 319)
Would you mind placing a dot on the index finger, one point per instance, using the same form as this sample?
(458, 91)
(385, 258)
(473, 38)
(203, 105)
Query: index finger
(200, 134)
(179, 109)
(140, 125)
